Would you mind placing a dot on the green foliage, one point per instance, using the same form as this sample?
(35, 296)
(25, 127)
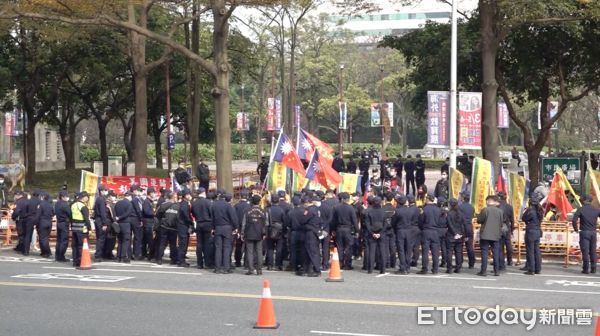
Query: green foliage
(88, 153)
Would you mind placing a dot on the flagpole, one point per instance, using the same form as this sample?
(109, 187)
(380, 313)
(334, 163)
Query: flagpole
(273, 144)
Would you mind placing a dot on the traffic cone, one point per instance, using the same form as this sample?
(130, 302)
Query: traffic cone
(335, 274)
(86, 260)
(597, 332)
(266, 313)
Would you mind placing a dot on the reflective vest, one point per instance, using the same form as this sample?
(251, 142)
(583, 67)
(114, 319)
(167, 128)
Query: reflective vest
(78, 222)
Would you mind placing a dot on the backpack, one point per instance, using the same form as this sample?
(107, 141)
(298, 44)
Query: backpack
(275, 229)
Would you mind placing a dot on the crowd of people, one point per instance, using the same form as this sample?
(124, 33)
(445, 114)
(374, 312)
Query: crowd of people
(385, 229)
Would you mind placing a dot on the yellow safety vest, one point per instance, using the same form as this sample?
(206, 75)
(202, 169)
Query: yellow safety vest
(76, 214)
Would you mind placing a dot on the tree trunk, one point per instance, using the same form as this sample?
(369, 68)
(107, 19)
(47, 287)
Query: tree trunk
(141, 125)
(289, 127)
(221, 96)
(103, 147)
(194, 118)
(127, 127)
(489, 87)
(158, 148)
(30, 139)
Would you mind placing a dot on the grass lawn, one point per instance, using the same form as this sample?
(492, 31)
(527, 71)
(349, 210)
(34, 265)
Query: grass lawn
(53, 181)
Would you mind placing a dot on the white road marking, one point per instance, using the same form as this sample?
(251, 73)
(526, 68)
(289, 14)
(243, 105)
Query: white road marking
(537, 290)
(24, 260)
(557, 276)
(320, 332)
(77, 277)
(128, 270)
(567, 283)
(440, 276)
(134, 264)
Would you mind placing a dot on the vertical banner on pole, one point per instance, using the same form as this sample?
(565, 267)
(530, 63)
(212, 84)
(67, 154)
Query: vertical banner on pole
(502, 115)
(438, 124)
(8, 124)
(270, 114)
(469, 112)
(277, 114)
(297, 116)
(343, 115)
(481, 185)
(242, 123)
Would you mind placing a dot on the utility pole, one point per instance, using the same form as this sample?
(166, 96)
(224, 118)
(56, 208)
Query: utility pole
(341, 122)
(243, 130)
(170, 141)
(453, 80)
(381, 111)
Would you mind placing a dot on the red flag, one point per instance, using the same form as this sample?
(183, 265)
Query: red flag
(558, 197)
(320, 170)
(501, 182)
(286, 154)
(324, 149)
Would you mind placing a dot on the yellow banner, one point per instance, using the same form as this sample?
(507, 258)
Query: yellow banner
(456, 181)
(277, 176)
(298, 182)
(481, 185)
(89, 183)
(565, 182)
(516, 189)
(591, 184)
(349, 183)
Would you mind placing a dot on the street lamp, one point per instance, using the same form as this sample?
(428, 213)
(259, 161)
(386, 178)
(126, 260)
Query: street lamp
(243, 129)
(381, 111)
(341, 121)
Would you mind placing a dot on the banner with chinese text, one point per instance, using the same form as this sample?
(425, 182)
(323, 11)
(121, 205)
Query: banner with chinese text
(502, 115)
(89, 183)
(438, 119)
(121, 184)
(469, 120)
(481, 183)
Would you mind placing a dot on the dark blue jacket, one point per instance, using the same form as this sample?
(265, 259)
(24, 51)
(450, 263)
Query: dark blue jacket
(62, 211)
(467, 211)
(46, 212)
(147, 212)
(18, 214)
(311, 222)
(100, 210)
(202, 211)
(531, 218)
(588, 216)
(223, 215)
(344, 217)
(123, 210)
(430, 217)
(185, 213)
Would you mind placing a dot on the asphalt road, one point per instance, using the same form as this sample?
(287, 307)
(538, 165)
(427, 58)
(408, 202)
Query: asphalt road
(38, 296)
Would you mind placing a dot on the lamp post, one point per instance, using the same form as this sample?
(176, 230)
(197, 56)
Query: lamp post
(341, 121)
(453, 84)
(381, 111)
(243, 129)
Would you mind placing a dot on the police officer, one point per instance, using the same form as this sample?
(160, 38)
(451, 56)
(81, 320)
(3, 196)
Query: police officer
(254, 221)
(63, 216)
(505, 240)
(338, 164)
(167, 216)
(45, 214)
(467, 211)
(31, 219)
(344, 225)
(19, 216)
(123, 213)
(101, 223)
(351, 166)
(225, 225)
(311, 222)
(587, 216)
(375, 225)
(113, 230)
(240, 208)
(363, 166)
(80, 225)
(417, 238)
(202, 211)
(429, 222)
(294, 219)
(203, 174)
(149, 224)
(409, 170)
(442, 229)
(185, 225)
(455, 237)
(326, 207)
(137, 224)
(420, 171)
(401, 223)
(262, 169)
(389, 234)
(275, 232)
(532, 216)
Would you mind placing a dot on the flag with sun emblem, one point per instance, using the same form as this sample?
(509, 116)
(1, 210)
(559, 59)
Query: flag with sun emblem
(319, 170)
(286, 154)
(308, 143)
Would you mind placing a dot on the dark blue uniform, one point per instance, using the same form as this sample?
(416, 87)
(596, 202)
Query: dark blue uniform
(375, 225)
(184, 225)
(275, 236)
(123, 212)
(297, 250)
(467, 211)
(205, 247)
(311, 222)
(101, 225)
(405, 224)
(345, 225)
(240, 208)
(45, 214)
(588, 217)
(31, 219)
(409, 169)
(533, 234)
(167, 230)
(19, 217)
(326, 213)
(224, 223)
(456, 228)
(148, 250)
(389, 237)
(137, 227)
(63, 216)
(442, 229)
(429, 222)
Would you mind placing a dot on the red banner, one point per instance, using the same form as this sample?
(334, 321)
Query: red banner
(121, 184)
(8, 124)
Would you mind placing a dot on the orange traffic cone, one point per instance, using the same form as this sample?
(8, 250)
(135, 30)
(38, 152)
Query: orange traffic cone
(597, 332)
(335, 274)
(86, 260)
(266, 313)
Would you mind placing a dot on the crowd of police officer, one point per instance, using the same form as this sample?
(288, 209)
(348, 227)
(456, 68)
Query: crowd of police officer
(386, 229)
